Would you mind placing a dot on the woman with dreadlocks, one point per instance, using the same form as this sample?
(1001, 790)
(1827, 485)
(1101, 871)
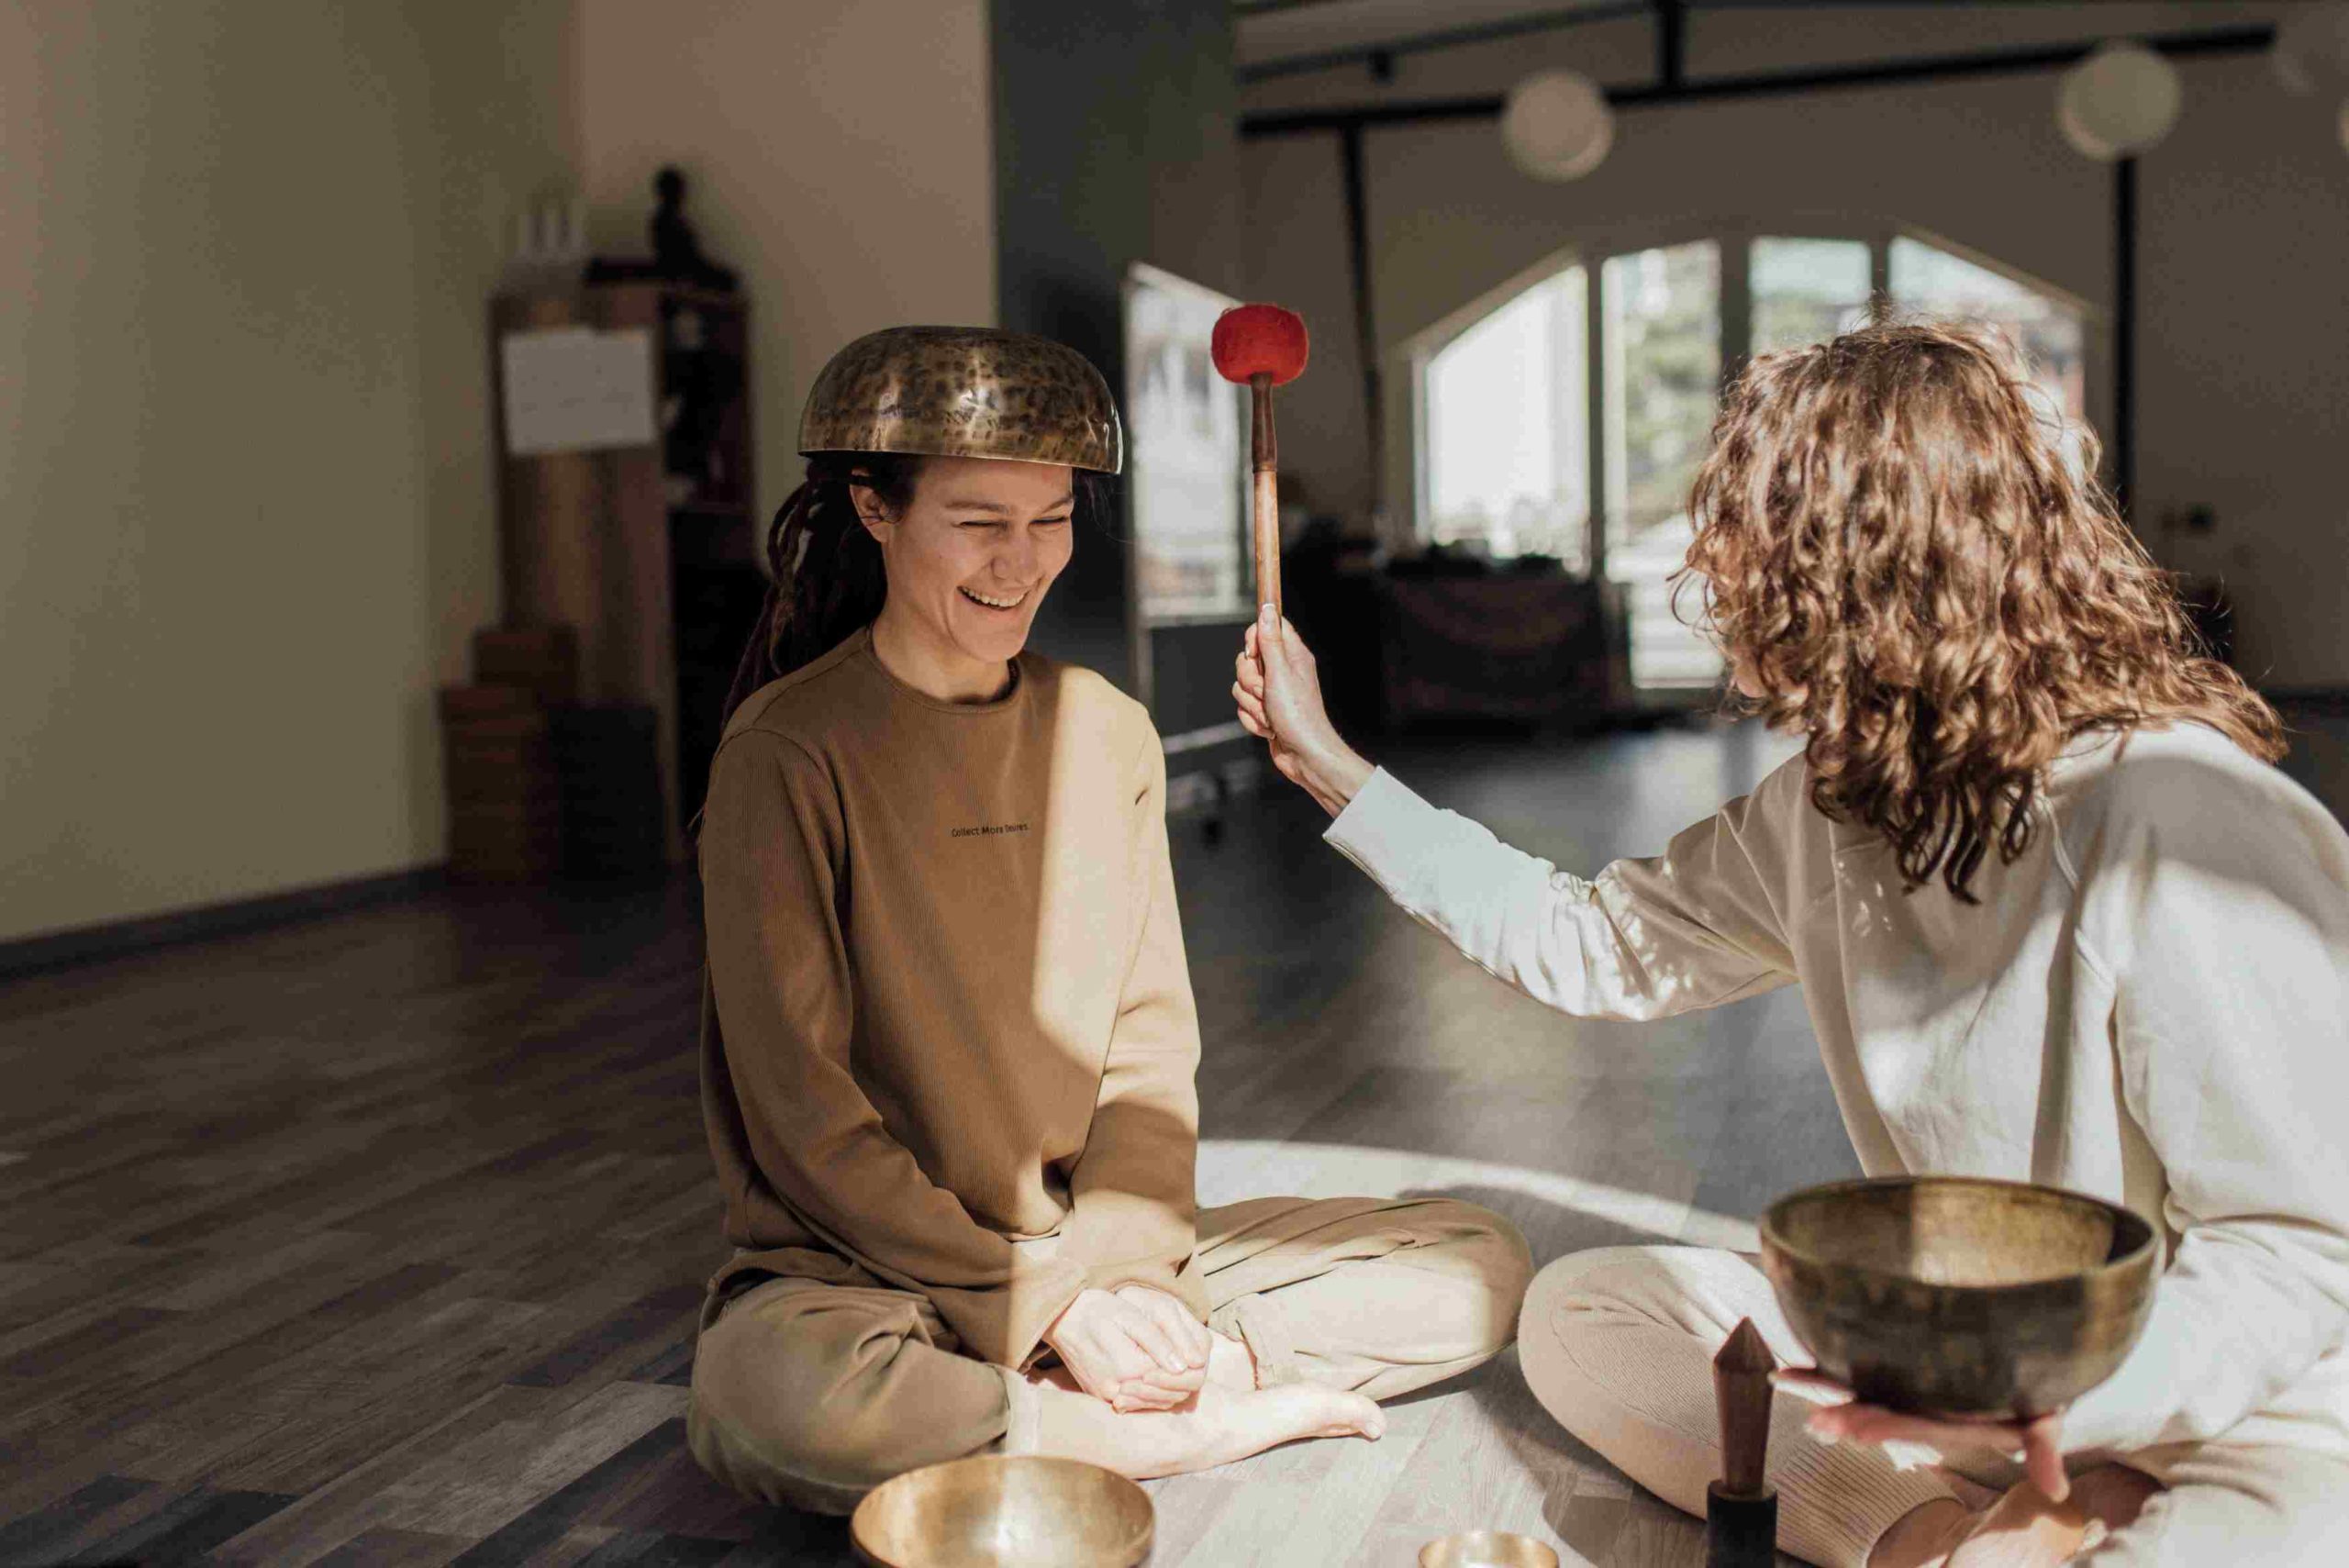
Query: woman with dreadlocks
(947, 1040)
(2055, 919)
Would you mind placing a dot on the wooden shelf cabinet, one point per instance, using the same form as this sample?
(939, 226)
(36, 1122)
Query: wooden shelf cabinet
(593, 541)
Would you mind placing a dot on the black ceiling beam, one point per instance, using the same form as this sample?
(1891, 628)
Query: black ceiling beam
(1244, 9)
(1555, 20)
(1762, 85)
(1445, 38)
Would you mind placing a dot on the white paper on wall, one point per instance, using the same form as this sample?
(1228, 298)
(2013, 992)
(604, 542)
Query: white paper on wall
(577, 389)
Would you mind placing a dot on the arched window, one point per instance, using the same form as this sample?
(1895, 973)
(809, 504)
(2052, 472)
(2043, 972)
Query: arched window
(1568, 421)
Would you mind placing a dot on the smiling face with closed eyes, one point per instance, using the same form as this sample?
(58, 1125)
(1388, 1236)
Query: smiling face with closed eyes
(969, 561)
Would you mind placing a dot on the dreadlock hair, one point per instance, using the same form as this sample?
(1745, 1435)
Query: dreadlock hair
(825, 578)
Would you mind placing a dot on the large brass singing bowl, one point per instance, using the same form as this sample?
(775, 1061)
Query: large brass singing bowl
(1956, 1296)
(1004, 1513)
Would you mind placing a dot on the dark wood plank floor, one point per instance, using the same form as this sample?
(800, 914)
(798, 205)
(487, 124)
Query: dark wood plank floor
(379, 1239)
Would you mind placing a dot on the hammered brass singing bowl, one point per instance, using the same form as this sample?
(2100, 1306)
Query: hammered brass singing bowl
(1957, 1296)
(965, 392)
(999, 1512)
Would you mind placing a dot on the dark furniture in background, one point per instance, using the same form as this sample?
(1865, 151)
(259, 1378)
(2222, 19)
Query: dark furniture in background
(1330, 588)
(1519, 646)
(505, 802)
(639, 563)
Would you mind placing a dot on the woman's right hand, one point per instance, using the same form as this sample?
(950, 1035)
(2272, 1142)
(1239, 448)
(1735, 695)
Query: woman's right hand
(1279, 695)
(1134, 1349)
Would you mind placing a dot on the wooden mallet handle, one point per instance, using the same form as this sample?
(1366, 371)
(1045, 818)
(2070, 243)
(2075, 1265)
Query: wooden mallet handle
(1265, 458)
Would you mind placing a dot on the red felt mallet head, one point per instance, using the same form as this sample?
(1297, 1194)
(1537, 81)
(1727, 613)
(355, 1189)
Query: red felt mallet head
(1262, 347)
(1259, 339)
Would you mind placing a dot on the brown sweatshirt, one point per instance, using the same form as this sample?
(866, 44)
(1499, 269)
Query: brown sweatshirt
(947, 1012)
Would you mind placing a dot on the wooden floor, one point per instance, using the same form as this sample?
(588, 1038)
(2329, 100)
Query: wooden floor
(379, 1239)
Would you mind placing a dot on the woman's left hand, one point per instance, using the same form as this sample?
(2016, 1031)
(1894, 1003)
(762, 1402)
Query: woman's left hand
(2038, 1442)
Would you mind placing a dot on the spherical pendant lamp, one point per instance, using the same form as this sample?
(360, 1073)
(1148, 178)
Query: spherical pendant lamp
(2313, 49)
(2118, 102)
(1557, 125)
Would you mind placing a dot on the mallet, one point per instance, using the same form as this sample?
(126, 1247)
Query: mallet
(1265, 347)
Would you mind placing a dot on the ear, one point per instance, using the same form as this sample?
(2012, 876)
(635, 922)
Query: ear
(869, 509)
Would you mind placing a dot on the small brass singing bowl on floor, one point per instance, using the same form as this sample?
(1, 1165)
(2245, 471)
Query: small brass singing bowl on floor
(1486, 1548)
(1005, 1512)
(1958, 1296)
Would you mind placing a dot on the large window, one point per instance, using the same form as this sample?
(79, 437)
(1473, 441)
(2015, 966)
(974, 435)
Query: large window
(2050, 331)
(1508, 439)
(1807, 290)
(1662, 326)
(1512, 402)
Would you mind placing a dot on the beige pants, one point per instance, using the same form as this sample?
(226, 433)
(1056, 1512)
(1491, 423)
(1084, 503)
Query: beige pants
(1617, 1344)
(813, 1391)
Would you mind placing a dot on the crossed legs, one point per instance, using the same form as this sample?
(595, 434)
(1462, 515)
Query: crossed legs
(813, 1392)
(1617, 1344)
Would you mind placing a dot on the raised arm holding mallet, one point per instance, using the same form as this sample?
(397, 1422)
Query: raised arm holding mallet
(1262, 347)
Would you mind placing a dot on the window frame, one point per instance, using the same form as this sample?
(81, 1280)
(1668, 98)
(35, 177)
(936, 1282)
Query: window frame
(1735, 239)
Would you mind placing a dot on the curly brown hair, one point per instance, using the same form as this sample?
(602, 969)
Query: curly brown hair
(1895, 553)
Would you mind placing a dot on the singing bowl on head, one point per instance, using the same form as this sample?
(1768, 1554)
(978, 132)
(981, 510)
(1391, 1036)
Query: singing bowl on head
(1959, 1296)
(1001, 1512)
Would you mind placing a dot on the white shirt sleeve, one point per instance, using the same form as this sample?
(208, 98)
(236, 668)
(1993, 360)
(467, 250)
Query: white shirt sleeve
(2218, 900)
(1697, 925)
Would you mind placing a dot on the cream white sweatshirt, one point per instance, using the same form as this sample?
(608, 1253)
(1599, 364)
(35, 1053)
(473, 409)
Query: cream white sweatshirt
(2151, 1006)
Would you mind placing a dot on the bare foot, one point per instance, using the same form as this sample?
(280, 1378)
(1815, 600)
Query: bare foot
(1923, 1537)
(1221, 1426)
(2023, 1528)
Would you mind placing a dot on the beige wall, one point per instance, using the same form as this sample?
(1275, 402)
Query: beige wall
(2245, 240)
(841, 159)
(245, 506)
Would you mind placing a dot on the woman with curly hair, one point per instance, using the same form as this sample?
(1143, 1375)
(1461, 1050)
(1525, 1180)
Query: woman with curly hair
(2055, 918)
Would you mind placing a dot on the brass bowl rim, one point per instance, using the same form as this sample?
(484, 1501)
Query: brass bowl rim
(2131, 1258)
(1145, 1537)
(1463, 1535)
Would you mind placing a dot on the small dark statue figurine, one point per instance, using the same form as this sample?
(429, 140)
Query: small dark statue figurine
(676, 252)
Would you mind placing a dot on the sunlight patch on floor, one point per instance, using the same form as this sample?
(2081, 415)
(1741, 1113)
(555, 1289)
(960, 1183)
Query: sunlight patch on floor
(1233, 1169)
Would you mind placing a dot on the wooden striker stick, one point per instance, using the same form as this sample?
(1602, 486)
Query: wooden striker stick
(1263, 452)
(1741, 1389)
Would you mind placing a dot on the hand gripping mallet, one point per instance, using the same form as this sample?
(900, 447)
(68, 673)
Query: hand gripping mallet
(1265, 347)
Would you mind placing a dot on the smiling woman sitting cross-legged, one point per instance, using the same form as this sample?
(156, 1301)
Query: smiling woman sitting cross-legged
(948, 1034)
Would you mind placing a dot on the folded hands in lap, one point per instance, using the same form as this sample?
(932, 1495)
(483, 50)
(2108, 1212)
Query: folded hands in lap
(1136, 1348)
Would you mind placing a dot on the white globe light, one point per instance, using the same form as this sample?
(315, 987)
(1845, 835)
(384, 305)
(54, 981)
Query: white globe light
(2313, 49)
(2118, 102)
(1557, 125)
